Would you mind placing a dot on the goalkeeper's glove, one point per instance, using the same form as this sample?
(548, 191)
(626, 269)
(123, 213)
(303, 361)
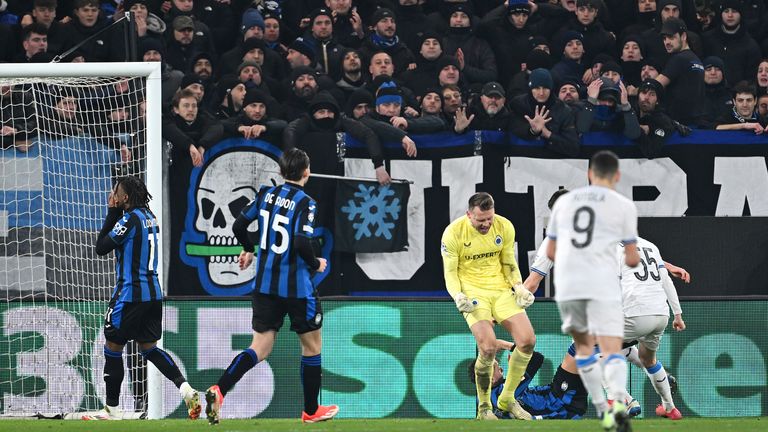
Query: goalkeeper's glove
(523, 297)
(464, 304)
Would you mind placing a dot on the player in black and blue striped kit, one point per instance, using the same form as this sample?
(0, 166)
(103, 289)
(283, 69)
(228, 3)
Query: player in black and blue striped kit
(285, 262)
(136, 309)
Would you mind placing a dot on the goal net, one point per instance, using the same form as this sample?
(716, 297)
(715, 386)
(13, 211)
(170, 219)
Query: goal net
(68, 131)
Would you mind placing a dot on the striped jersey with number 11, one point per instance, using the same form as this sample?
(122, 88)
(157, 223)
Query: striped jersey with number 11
(136, 235)
(283, 212)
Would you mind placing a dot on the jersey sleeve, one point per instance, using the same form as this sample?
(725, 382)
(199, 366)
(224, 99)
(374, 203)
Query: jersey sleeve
(305, 220)
(450, 252)
(508, 262)
(629, 230)
(541, 264)
(124, 228)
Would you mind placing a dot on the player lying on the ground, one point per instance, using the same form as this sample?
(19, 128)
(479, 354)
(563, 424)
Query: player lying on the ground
(564, 398)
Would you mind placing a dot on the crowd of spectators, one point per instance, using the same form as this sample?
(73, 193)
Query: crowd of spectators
(549, 70)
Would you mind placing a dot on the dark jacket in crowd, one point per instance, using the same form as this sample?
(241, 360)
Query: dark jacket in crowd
(273, 134)
(564, 139)
(739, 52)
(96, 50)
(479, 60)
(383, 129)
(604, 118)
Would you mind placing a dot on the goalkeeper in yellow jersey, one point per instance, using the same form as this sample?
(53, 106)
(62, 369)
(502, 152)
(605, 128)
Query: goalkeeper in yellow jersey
(482, 277)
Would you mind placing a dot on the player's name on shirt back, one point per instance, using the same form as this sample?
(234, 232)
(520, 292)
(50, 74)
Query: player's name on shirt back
(589, 196)
(279, 201)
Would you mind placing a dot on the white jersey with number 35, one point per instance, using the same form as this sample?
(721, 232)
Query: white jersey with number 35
(643, 285)
(587, 223)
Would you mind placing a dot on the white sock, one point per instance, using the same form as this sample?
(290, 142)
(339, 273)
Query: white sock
(658, 377)
(632, 356)
(185, 389)
(615, 374)
(592, 376)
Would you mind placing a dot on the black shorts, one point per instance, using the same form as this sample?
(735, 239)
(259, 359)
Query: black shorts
(141, 322)
(269, 312)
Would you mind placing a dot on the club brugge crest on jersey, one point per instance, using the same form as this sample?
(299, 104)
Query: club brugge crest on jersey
(498, 240)
(233, 171)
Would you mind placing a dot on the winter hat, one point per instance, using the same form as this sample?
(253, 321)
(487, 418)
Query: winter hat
(128, 4)
(575, 83)
(255, 96)
(151, 44)
(518, 6)
(251, 18)
(357, 97)
(381, 13)
(492, 89)
(461, 7)
(569, 36)
(430, 34)
(388, 93)
(540, 78)
(602, 58)
(253, 43)
(182, 22)
(245, 64)
(609, 90)
(736, 5)
(673, 26)
(324, 100)
(611, 66)
(713, 61)
(446, 61)
(189, 79)
(636, 39)
(652, 84)
(319, 12)
(303, 47)
(537, 58)
(301, 70)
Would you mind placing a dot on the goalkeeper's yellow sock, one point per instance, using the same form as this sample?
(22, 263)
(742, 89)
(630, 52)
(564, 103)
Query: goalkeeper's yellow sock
(483, 375)
(518, 361)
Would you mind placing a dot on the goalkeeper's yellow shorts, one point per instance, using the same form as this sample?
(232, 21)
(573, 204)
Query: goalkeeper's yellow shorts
(492, 305)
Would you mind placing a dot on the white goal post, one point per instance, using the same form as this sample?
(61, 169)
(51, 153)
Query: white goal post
(29, 260)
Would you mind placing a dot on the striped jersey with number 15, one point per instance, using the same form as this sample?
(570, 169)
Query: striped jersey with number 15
(283, 212)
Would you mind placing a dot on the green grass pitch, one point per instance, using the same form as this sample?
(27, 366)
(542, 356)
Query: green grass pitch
(388, 425)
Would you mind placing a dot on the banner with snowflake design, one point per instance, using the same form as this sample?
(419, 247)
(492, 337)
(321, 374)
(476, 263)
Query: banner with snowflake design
(371, 217)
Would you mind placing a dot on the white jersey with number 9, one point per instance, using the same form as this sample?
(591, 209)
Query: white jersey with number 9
(587, 223)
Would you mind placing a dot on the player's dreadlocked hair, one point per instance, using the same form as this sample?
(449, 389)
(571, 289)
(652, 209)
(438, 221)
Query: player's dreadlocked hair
(138, 196)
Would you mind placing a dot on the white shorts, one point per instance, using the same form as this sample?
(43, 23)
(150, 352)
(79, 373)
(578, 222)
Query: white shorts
(645, 329)
(596, 317)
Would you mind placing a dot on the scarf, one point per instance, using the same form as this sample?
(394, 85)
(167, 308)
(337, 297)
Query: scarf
(742, 119)
(382, 42)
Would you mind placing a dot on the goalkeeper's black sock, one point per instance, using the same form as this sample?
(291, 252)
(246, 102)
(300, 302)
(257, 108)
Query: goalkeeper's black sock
(113, 375)
(165, 365)
(311, 375)
(241, 364)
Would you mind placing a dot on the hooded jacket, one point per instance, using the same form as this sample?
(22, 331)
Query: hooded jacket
(320, 143)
